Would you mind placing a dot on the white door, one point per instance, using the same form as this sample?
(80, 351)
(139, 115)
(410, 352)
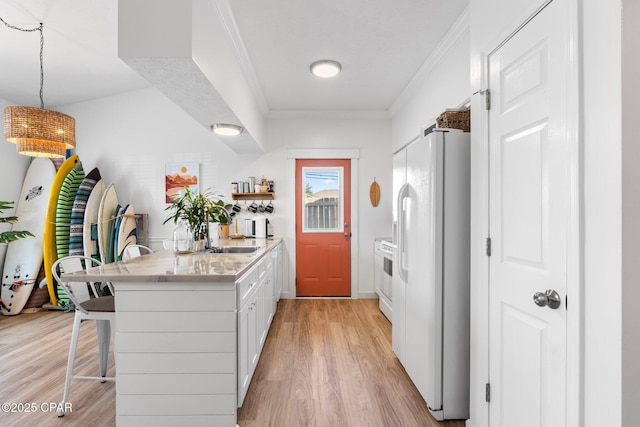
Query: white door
(530, 164)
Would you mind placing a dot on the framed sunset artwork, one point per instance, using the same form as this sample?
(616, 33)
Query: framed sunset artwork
(177, 176)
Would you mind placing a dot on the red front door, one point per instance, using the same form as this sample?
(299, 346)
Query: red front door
(323, 232)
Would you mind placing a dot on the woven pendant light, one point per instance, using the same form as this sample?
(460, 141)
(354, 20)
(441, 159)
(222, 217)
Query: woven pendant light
(40, 148)
(38, 132)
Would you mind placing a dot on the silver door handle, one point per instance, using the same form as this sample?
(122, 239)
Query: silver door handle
(550, 299)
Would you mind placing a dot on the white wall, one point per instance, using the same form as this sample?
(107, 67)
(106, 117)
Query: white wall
(372, 137)
(446, 86)
(13, 168)
(131, 137)
(602, 218)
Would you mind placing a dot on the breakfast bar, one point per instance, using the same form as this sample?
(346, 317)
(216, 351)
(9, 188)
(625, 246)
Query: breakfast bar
(189, 330)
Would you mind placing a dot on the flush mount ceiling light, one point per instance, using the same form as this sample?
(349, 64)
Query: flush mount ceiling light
(35, 131)
(226, 129)
(325, 68)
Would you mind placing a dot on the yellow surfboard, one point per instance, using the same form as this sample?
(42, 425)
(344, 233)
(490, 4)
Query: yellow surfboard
(50, 252)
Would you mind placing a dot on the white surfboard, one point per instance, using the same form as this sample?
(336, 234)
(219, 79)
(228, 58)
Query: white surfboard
(106, 220)
(126, 230)
(90, 225)
(116, 227)
(24, 256)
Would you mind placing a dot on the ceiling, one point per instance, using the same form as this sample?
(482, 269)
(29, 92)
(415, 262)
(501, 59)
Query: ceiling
(381, 44)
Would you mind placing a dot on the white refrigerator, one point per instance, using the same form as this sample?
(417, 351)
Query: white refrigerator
(430, 330)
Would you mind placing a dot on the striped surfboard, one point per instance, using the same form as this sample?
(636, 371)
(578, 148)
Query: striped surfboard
(64, 207)
(76, 240)
(66, 198)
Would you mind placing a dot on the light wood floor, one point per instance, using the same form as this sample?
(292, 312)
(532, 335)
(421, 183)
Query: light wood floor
(33, 363)
(329, 363)
(325, 363)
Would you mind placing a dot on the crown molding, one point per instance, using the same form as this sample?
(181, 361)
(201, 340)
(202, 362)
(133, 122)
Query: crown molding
(228, 21)
(330, 114)
(457, 30)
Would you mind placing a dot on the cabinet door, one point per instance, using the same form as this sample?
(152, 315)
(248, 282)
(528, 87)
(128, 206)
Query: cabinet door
(270, 299)
(261, 315)
(278, 279)
(244, 345)
(252, 336)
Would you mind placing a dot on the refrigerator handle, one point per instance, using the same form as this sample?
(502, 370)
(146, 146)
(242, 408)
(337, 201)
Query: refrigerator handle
(401, 248)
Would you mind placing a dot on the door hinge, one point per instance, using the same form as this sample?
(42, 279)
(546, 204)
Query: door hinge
(487, 97)
(487, 392)
(488, 246)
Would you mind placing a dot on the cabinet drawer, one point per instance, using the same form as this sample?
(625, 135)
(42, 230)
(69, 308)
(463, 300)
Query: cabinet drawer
(246, 285)
(260, 270)
(267, 264)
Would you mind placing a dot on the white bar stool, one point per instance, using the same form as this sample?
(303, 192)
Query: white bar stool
(89, 305)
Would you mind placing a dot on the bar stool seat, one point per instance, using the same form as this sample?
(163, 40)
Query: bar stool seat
(89, 305)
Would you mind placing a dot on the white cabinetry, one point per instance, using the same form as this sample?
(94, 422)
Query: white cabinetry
(189, 337)
(175, 353)
(270, 288)
(264, 308)
(277, 270)
(247, 331)
(382, 275)
(257, 304)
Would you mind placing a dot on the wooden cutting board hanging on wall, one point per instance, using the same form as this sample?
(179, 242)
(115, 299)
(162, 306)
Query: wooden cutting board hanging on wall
(374, 193)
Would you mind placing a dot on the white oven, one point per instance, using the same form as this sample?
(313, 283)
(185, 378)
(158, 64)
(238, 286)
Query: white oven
(384, 250)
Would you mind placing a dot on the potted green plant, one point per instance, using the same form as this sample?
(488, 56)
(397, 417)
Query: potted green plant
(221, 216)
(10, 236)
(197, 210)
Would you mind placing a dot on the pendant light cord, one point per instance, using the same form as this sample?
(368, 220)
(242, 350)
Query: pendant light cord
(30, 30)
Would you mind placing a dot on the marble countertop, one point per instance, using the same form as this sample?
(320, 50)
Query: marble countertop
(166, 266)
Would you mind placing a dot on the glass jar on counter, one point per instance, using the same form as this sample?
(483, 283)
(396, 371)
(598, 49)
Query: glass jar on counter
(182, 238)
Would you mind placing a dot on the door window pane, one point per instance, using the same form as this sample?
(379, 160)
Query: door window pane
(322, 195)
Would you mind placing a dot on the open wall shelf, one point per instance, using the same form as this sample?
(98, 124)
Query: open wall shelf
(253, 196)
